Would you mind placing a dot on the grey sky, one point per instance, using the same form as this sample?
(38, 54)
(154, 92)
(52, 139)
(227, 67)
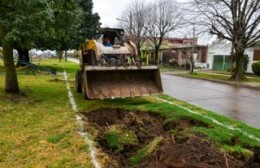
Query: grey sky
(109, 10)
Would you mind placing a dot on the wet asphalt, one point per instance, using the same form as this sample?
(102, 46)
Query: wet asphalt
(239, 103)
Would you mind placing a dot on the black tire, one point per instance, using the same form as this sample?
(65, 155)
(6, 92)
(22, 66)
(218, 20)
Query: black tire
(78, 82)
(92, 58)
(112, 62)
(83, 90)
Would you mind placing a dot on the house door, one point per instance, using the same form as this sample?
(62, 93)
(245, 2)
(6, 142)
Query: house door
(165, 57)
(222, 62)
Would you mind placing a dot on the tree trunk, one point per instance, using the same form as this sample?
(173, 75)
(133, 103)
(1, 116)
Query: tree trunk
(66, 55)
(59, 55)
(157, 55)
(191, 61)
(11, 82)
(232, 60)
(138, 46)
(23, 55)
(238, 74)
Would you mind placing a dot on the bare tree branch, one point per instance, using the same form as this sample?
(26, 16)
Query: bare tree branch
(133, 21)
(234, 20)
(164, 17)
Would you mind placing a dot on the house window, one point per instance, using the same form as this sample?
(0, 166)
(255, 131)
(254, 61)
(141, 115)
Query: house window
(256, 54)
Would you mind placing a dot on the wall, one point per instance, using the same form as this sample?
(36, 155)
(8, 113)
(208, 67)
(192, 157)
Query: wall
(218, 47)
(222, 47)
(250, 53)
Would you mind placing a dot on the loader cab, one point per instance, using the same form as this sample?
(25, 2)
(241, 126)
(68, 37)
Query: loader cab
(115, 36)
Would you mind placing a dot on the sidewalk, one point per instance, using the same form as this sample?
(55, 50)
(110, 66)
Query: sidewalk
(251, 85)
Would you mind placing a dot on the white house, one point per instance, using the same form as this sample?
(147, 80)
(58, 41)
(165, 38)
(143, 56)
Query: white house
(251, 52)
(219, 48)
(218, 56)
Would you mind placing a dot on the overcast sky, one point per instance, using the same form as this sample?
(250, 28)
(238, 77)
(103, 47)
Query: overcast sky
(109, 10)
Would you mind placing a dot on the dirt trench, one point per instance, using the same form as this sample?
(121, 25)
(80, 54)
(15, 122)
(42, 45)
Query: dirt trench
(176, 148)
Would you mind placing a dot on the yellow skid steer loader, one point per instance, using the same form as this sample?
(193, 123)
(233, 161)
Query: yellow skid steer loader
(109, 68)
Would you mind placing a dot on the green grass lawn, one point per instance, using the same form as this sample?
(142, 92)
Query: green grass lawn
(38, 126)
(201, 75)
(223, 77)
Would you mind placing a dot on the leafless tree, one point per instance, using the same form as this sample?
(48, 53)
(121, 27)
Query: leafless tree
(234, 20)
(133, 21)
(163, 17)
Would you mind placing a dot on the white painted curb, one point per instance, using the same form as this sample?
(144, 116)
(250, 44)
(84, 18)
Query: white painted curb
(84, 134)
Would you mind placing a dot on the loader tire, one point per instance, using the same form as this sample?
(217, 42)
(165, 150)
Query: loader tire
(83, 91)
(112, 62)
(78, 82)
(92, 58)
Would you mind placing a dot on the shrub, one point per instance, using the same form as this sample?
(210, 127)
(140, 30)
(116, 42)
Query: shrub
(187, 66)
(143, 59)
(153, 61)
(256, 67)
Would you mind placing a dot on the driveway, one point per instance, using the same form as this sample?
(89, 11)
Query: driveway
(240, 103)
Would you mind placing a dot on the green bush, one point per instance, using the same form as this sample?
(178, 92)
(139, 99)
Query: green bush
(256, 67)
(153, 62)
(143, 59)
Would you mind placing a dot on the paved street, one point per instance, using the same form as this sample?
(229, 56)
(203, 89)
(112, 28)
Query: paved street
(236, 102)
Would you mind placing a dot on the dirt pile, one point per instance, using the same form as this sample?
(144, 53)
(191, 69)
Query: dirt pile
(174, 147)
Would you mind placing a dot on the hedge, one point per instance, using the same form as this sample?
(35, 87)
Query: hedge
(256, 67)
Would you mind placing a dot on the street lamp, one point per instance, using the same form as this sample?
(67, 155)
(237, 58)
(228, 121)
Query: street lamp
(131, 18)
(121, 20)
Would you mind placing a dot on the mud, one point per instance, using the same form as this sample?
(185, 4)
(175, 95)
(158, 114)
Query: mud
(178, 149)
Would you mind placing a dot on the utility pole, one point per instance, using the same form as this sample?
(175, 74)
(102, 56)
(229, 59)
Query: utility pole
(131, 22)
(192, 52)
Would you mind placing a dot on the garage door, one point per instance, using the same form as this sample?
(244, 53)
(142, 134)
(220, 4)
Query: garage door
(222, 62)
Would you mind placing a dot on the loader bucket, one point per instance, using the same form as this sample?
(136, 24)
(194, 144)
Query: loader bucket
(121, 82)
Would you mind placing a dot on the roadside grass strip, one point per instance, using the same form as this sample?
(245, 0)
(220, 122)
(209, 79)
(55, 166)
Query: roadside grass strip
(211, 119)
(82, 132)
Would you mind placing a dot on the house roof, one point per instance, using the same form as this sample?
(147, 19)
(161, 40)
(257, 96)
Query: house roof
(170, 43)
(174, 46)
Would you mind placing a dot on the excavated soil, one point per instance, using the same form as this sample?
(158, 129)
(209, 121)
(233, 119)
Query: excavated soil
(178, 149)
